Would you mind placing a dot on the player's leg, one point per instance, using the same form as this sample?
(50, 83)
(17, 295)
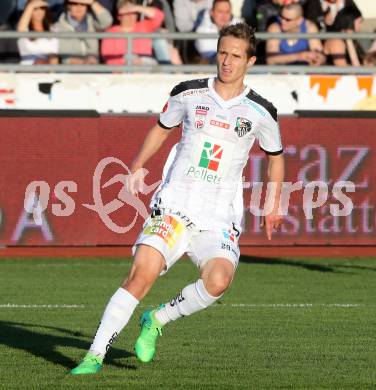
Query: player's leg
(173, 237)
(216, 277)
(147, 265)
(217, 257)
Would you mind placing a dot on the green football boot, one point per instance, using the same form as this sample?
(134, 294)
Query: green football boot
(90, 364)
(150, 330)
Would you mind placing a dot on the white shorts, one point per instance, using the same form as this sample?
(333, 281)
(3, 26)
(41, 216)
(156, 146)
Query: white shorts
(168, 233)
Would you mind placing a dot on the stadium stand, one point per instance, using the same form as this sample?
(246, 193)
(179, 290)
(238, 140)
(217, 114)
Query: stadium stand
(185, 17)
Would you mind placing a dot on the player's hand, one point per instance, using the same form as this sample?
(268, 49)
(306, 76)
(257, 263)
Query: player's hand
(134, 182)
(271, 222)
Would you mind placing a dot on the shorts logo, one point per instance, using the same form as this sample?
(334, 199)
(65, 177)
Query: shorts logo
(210, 156)
(243, 126)
(220, 124)
(200, 116)
(166, 227)
(228, 235)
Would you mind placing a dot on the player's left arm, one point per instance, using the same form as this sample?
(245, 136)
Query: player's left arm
(269, 138)
(276, 172)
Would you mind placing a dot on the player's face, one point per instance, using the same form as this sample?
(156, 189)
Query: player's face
(232, 60)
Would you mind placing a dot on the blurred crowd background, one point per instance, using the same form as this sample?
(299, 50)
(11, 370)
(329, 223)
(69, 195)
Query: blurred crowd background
(201, 16)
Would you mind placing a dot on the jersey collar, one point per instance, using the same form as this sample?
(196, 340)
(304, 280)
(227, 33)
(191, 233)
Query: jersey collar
(226, 103)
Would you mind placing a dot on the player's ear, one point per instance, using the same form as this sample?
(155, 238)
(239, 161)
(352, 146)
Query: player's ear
(251, 61)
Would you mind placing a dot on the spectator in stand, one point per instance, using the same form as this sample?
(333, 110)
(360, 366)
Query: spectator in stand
(373, 46)
(267, 12)
(81, 16)
(114, 50)
(187, 12)
(344, 52)
(213, 20)
(36, 17)
(56, 7)
(248, 12)
(370, 59)
(325, 12)
(293, 51)
(8, 46)
(7, 8)
(164, 50)
(164, 6)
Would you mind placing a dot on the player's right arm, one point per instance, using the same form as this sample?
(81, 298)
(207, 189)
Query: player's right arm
(170, 117)
(153, 141)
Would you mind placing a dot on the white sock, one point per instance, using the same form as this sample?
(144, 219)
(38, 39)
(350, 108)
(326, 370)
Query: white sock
(116, 315)
(191, 299)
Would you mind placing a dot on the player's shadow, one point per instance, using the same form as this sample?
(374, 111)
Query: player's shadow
(23, 336)
(311, 266)
(291, 263)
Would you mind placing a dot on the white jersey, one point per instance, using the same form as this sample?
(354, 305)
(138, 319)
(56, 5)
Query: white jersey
(237, 204)
(217, 136)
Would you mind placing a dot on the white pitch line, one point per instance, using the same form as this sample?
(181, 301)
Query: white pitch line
(49, 306)
(234, 305)
(291, 305)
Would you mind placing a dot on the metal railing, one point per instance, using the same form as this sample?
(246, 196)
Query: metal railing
(102, 68)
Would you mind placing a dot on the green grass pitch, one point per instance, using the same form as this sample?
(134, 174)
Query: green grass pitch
(284, 324)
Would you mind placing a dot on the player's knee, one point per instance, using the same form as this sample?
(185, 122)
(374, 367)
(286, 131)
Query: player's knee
(139, 283)
(218, 282)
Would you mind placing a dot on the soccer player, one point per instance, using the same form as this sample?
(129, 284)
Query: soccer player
(193, 210)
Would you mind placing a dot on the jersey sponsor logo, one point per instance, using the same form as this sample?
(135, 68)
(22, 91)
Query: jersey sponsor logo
(211, 160)
(202, 108)
(243, 126)
(223, 117)
(166, 227)
(220, 124)
(199, 123)
(255, 106)
(200, 116)
(196, 92)
(211, 155)
(204, 175)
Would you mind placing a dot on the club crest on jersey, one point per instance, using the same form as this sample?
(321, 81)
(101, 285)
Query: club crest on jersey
(243, 126)
(200, 116)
